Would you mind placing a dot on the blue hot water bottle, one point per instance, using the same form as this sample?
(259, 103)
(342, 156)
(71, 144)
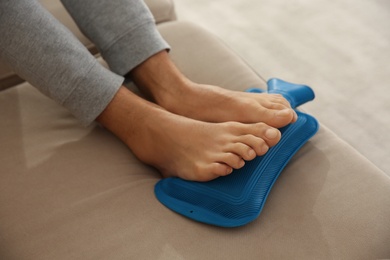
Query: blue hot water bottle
(238, 198)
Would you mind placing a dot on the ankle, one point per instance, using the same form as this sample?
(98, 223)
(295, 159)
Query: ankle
(124, 113)
(158, 79)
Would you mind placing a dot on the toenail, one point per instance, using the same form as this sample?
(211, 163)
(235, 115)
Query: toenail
(242, 163)
(283, 112)
(271, 133)
(251, 153)
(264, 149)
(295, 117)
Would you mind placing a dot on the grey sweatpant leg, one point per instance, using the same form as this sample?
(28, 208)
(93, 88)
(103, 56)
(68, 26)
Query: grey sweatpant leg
(124, 31)
(45, 53)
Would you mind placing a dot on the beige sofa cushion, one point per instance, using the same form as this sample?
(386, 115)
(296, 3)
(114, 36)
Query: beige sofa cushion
(68, 192)
(162, 10)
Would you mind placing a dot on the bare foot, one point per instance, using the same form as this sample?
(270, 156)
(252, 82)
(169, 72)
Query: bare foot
(160, 80)
(180, 146)
(216, 104)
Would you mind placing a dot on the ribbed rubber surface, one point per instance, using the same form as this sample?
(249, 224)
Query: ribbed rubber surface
(238, 198)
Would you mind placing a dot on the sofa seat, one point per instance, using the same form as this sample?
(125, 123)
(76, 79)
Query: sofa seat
(73, 192)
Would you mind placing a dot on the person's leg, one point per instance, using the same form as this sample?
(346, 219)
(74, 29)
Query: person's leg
(125, 33)
(180, 146)
(160, 80)
(45, 53)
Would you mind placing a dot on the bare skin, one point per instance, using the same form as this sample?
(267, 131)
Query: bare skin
(160, 81)
(193, 131)
(180, 146)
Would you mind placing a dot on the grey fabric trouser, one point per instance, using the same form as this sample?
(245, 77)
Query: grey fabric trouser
(46, 54)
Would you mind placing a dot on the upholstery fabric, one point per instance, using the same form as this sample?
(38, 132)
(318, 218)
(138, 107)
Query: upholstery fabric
(70, 192)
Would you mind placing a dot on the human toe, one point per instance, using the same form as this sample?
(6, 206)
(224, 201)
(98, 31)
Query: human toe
(285, 117)
(279, 99)
(245, 151)
(272, 136)
(212, 171)
(233, 160)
